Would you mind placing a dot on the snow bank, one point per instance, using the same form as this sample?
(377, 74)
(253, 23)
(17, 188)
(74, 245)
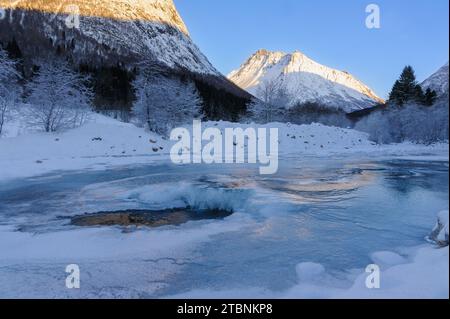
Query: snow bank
(113, 264)
(98, 144)
(104, 142)
(423, 275)
(418, 273)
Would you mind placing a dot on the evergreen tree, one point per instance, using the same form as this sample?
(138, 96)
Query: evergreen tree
(395, 96)
(419, 96)
(429, 97)
(406, 88)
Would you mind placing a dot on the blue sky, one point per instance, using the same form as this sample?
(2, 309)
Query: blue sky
(330, 32)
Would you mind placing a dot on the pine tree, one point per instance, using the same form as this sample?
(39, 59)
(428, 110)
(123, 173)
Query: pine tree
(395, 96)
(419, 96)
(429, 97)
(406, 88)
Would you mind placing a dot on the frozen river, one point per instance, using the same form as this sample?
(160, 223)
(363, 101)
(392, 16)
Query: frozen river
(331, 212)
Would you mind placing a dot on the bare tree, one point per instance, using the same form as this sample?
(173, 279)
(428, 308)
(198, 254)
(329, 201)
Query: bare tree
(273, 96)
(274, 92)
(9, 88)
(59, 97)
(163, 103)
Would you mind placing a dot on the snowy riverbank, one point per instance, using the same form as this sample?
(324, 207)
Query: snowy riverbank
(307, 232)
(416, 273)
(104, 142)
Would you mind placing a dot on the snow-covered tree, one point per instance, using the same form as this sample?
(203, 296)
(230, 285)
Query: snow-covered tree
(273, 92)
(411, 122)
(59, 97)
(272, 97)
(9, 88)
(262, 112)
(163, 103)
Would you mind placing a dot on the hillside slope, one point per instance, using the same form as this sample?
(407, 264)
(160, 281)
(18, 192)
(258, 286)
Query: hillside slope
(116, 34)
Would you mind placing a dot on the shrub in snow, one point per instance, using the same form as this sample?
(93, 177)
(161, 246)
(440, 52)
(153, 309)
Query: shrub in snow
(9, 89)
(59, 97)
(163, 103)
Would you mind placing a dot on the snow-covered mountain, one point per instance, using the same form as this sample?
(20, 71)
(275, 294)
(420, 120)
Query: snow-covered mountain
(438, 81)
(305, 80)
(109, 31)
(117, 34)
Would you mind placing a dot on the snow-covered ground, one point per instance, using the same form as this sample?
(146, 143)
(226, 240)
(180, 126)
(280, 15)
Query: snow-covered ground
(99, 143)
(104, 142)
(146, 263)
(110, 269)
(423, 273)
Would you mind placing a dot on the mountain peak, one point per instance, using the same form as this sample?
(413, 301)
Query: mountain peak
(305, 79)
(160, 11)
(265, 52)
(261, 52)
(109, 33)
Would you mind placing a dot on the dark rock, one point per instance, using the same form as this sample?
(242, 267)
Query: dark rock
(148, 218)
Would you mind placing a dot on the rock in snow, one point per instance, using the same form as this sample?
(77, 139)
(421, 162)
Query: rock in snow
(440, 231)
(305, 80)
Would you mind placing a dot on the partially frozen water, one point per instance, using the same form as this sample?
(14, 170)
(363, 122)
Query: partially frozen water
(331, 212)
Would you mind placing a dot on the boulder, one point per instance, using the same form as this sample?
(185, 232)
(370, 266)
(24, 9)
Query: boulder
(440, 231)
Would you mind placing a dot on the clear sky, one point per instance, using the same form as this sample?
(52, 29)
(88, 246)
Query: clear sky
(330, 32)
